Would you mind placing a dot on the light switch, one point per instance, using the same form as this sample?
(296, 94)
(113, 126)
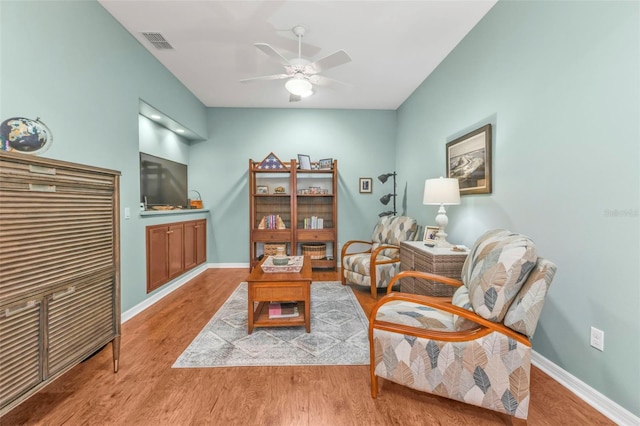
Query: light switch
(127, 213)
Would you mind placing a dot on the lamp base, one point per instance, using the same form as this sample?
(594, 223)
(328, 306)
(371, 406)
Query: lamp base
(441, 240)
(442, 221)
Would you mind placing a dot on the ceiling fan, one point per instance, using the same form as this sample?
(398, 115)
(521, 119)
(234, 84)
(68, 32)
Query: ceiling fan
(300, 73)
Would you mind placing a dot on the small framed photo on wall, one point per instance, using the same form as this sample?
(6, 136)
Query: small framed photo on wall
(366, 185)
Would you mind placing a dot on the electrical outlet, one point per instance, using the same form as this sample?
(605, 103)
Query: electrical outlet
(597, 338)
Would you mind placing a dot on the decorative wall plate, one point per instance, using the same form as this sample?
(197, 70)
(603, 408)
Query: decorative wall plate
(25, 135)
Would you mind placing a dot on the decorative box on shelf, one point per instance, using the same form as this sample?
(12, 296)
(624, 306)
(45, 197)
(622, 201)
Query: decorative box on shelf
(416, 256)
(271, 249)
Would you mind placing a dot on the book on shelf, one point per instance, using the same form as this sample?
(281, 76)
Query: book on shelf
(283, 309)
(313, 222)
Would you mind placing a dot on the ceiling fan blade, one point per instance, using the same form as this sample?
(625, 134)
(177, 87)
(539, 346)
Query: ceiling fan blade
(272, 53)
(321, 80)
(266, 77)
(338, 58)
(294, 98)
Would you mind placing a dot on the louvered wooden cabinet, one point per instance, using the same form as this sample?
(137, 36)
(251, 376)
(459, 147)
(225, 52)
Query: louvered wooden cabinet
(59, 274)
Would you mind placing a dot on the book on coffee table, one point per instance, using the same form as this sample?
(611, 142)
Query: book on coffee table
(283, 309)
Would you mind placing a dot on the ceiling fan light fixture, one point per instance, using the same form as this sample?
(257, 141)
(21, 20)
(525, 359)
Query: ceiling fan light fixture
(298, 85)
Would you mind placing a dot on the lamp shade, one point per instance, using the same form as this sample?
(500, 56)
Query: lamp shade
(383, 178)
(441, 191)
(298, 85)
(386, 198)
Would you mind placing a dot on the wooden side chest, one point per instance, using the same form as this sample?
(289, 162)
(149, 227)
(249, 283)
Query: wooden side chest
(415, 256)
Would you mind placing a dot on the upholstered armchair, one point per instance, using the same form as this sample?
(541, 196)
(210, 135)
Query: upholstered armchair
(375, 266)
(475, 346)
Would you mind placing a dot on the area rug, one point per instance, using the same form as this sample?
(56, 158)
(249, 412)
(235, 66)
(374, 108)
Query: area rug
(339, 334)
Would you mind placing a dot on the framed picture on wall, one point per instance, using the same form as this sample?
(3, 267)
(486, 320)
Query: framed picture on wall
(366, 185)
(469, 160)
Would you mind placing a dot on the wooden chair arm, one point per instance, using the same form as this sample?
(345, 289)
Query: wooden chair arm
(444, 304)
(350, 242)
(374, 255)
(424, 275)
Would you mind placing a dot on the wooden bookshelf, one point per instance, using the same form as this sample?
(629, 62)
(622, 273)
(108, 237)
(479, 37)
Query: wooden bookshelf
(294, 195)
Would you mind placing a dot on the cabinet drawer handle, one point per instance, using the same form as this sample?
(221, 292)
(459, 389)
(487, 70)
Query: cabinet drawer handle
(16, 310)
(64, 292)
(42, 170)
(41, 188)
(169, 232)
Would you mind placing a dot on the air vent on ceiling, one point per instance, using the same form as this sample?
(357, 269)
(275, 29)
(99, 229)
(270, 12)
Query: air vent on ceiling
(157, 40)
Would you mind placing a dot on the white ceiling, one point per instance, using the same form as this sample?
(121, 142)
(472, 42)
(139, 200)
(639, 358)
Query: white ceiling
(394, 45)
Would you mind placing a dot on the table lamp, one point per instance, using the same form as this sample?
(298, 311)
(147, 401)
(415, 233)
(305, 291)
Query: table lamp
(441, 191)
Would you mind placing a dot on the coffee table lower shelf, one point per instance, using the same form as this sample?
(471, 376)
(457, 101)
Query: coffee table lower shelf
(261, 317)
(263, 288)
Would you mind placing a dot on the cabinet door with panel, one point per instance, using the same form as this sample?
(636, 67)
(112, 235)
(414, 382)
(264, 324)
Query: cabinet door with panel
(201, 241)
(165, 254)
(195, 243)
(21, 356)
(157, 260)
(81, 313)
(175, 250)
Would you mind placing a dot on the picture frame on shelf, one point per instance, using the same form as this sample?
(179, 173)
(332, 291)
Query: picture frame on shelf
(469, 160)
(305, 162)
(325, 164)
(262, 189)
(429, 236)
(366, 185)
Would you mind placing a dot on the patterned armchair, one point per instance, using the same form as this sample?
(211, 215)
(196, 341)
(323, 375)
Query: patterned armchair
(474, 347)
(381, 261)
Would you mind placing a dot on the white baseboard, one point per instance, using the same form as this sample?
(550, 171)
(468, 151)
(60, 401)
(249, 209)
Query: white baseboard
(150, 301)
(130, 313)
(600, 402)
(228, 265)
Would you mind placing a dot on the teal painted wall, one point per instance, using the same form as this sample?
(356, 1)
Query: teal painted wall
(157, 140)
(71, 64)
(361, 141)
(560, 81)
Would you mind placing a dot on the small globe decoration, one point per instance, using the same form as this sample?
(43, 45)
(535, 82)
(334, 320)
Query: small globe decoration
(25, 135)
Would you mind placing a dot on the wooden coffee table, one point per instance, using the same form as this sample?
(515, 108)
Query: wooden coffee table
(279, 287)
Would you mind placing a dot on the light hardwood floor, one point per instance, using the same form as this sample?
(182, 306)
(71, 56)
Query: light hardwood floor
(147, 391)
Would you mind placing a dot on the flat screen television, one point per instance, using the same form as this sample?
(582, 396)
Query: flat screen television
(162, 182)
